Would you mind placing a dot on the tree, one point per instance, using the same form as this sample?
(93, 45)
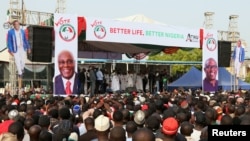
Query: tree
(180, 55)
(247, 79)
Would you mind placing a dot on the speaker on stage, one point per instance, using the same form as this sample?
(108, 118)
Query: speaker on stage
(41, 41)
(224, 53)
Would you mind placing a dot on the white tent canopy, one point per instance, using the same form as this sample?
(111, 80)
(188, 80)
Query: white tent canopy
(140, 18)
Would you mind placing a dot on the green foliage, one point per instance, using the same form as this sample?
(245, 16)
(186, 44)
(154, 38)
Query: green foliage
(180, 55)
(247, 79)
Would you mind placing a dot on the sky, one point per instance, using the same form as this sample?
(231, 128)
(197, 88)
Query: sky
(185, 13)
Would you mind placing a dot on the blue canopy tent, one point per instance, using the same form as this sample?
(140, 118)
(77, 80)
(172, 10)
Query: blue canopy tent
(191, 79)
(226, 80)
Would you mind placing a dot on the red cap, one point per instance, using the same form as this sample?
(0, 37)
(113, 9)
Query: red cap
(134, 93)
(165, 105)
(144, 107)
(170, 126)
(184, 104)
(17, 101)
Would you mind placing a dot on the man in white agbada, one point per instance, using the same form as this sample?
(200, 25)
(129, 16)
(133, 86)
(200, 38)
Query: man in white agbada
(124, 80)
(138, 83)
(130, 80)
(115, 82)
(107, 79)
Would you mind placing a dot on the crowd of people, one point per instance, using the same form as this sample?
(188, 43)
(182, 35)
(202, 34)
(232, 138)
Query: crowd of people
(133, 107)
(168, 116)
(97, 80)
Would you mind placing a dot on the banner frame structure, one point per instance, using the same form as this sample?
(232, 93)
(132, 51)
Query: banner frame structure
(210, 68)
(66, 54)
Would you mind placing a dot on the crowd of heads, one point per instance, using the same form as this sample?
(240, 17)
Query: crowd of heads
(178, 115)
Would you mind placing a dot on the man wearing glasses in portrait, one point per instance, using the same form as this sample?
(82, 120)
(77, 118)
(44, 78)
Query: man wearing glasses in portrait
(66, 81)
(210, 82)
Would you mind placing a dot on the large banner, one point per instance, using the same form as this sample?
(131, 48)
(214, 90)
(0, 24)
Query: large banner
(140, 33)
(66, 40)
(210, 61)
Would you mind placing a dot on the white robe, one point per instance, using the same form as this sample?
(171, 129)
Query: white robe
(115, 84)
(123, 80)
(139, 82)
(130, 80)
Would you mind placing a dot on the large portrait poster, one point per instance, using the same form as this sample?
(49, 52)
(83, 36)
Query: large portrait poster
(210, 61)
(66, 40)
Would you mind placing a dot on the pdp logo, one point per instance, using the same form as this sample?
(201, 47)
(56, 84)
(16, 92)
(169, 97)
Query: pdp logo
(211, 44)
(67, 32)
(100, 31)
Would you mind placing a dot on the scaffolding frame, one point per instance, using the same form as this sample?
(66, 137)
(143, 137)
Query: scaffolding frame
(233, 36)
(18, 12)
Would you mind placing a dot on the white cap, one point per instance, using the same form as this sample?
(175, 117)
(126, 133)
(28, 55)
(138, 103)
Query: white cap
(73, 137)
(14, 103)
(22, 103)
(102, 123)
(137, 102)
(139, 117)
(142, 99)
(29, 102)
(12, 114)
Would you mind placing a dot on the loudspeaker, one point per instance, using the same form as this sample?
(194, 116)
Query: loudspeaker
(224, 53)
(41, 42)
